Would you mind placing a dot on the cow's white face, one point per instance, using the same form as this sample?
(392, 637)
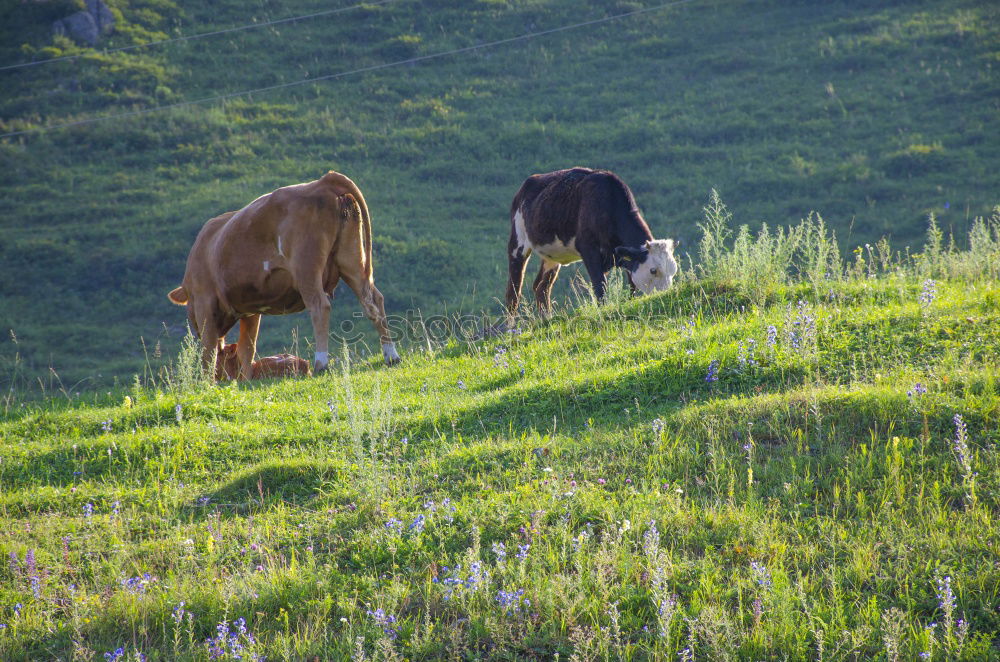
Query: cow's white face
(655, 270)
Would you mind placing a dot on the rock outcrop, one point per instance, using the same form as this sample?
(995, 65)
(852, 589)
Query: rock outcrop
(87, 26)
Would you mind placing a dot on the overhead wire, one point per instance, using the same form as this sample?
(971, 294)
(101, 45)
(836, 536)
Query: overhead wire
(375, 67)
(213, 33)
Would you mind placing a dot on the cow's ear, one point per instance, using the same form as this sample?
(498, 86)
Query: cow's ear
(628, 257)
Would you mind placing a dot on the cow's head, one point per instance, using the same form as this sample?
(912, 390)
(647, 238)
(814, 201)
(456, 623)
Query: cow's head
(227, 364)
(651, 267)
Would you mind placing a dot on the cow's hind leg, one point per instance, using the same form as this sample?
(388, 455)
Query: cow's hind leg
(544, 281)
(373, 305)
(517, 256)
(246, 346)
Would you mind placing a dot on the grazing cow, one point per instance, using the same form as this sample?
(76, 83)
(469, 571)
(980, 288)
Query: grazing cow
(582, 214)
(282, 253)
(227, 365)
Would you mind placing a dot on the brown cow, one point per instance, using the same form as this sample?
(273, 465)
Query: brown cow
(227, 365)
(282, 253)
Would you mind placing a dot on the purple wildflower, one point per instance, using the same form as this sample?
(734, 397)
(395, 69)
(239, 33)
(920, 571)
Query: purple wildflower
(500, 551)
(928, 293)
(512, 601)
(713, 371)
(418, 523)
(772, 335)
(763, 575)
(384, 621)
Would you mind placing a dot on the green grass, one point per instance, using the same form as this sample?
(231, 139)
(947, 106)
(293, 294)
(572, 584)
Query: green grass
(808, 504)
(873, 114)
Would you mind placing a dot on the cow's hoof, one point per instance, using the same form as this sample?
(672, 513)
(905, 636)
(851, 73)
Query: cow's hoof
(320, 369)
(391, 361)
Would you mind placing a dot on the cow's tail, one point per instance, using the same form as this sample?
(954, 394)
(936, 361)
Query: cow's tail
(343, 184)
(178, 295)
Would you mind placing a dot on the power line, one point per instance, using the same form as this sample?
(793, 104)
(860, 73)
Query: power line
(238, 28)
(361, 70)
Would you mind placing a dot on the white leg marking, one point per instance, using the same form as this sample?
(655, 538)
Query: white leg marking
(322, 359)
(389, 352)
(280, 252)
(520, 233)
(267, 265)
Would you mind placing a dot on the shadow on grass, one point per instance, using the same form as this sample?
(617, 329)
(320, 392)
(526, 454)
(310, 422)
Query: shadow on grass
(296, 482)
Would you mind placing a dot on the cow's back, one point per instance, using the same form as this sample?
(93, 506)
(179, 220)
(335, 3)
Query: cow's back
(550, 204)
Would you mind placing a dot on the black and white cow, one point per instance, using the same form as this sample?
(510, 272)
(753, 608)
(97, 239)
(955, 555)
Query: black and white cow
(582, 214)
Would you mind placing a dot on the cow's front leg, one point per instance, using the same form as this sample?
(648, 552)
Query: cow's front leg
(204, 326)
(246, 346)
(318, 304)
(373, 305)
(597, 270)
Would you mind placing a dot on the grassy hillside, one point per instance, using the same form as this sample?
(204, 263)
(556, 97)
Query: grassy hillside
(783, 457)
(872, 113)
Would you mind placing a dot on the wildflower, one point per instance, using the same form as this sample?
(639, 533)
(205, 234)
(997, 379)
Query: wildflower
(500, 551)
(461, 384)
(384, 621)
(713, 371)
(88, 509)
(449, 510)
(763, 575)
(917, 391)
(111, 656)
(946, 597)
(802, 332)
(658, 425)
(961, 441)
(772, 335)
(178, 413)
(745, 354)
(394, 524)
(651, 539)
(601, 481)
(106, 425)
(500, 358)
(231, 641)
(928, 293)
(512, 601)
(36, 586)
(178, 613)
(418, 523)
(522, 551)
(453, 579)
(137, 585)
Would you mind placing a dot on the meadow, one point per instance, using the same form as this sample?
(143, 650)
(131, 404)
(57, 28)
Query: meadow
(873, 114)
(787, 456)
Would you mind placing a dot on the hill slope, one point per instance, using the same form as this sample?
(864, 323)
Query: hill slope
(750, 467)
(872, 113)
